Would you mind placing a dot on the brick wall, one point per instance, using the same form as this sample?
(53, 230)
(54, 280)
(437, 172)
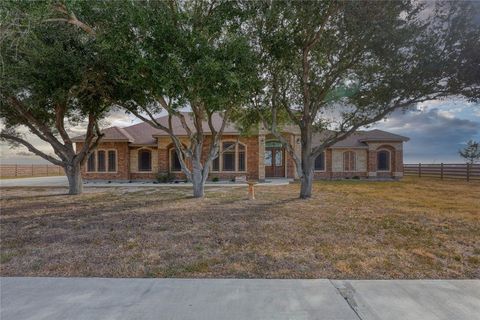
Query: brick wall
(127, 161)
(123, 164)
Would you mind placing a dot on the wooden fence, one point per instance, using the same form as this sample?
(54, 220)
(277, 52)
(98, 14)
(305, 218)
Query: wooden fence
(444, 170)
(30, 170)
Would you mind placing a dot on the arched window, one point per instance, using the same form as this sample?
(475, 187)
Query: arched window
(91, 162)
(144, 160)
(174, 161)
(241, 157)
(101, 165)
(233, 157)
(383, 160)
(349, 161)
(228, 156)
(320, 162)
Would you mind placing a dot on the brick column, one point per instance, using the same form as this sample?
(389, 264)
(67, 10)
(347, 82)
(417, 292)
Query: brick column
(163, 142)
(261, 157)
(398, 163)
(372, 161)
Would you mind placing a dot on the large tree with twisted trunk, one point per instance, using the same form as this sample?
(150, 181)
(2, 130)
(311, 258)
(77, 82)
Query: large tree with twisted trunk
(50, 77)
(332, 67)
(191, 56)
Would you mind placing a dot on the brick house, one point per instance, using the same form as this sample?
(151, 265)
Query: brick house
(141, 152)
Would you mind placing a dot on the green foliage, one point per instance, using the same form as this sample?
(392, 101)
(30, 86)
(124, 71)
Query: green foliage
(471, 153)
(215, 179)
(165, 177)
(190, 53)
(48, 63)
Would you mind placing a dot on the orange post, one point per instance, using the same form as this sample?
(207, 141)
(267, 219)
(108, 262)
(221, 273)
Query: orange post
(251, 190)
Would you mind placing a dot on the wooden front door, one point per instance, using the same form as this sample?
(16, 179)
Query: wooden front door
(274, 161)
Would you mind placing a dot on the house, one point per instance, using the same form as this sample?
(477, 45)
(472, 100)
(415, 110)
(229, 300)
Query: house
(141, 152)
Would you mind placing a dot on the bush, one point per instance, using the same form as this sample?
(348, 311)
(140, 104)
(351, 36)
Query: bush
(215, 179)
(165, 177)
(356, 177)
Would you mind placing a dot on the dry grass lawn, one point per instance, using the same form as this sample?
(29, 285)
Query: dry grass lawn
(416, 228)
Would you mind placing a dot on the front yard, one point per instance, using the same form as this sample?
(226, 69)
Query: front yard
(416, 228)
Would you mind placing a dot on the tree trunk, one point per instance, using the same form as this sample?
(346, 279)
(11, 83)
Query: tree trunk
(306, 185)
(74, 176)
(198, 179)
(306, 179)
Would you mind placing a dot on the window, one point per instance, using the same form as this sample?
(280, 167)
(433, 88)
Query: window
(216, 164)
(144, 160)
(320, 162)
(228, 156)
(91, 162)
(349, 161)
(101, 161)
(174, 161)
(112, 161)
(383, 160)
(241, 157)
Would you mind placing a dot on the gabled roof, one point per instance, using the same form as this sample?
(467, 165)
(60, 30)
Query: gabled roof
(111, 134)
(144, 134)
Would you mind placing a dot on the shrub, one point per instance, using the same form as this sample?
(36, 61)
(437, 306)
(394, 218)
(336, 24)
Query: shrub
(215, 179)
(356, 177)
(165, 177)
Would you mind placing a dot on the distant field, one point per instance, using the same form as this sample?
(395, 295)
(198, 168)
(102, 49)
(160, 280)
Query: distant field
(416, 228)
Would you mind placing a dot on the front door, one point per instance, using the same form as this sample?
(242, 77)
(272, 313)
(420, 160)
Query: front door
(274, 160)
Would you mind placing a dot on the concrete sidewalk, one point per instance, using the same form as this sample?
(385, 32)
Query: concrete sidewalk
(61, 181)
(99, 298)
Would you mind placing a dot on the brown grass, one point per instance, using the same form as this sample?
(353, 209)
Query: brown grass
(416, 228)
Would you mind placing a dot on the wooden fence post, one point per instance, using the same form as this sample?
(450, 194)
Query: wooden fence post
(468, 172)
(32, 171)
(419, 170)
(441, 171)
(16, 170)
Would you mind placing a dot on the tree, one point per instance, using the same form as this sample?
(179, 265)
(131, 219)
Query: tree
(332, 67)
(471, 153)
(186, 56)
(51, 76)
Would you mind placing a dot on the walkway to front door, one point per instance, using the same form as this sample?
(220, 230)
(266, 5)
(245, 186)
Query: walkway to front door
(274, 159)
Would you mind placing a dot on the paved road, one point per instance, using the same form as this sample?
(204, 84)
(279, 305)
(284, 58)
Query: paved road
(98, 298)
(61, 181)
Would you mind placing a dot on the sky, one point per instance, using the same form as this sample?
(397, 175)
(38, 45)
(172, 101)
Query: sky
(437, 130)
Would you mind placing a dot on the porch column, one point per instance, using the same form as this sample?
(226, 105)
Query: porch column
(398, 161)
(261, 157)
(372, 160)
(163, 164)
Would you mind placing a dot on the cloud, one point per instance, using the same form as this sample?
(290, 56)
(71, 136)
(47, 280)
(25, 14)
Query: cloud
(435, 134)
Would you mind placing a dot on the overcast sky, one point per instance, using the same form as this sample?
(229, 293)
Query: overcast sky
(437, 130)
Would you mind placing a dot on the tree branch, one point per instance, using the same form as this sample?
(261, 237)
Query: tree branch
(31, 148)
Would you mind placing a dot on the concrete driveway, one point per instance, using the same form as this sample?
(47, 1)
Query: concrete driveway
(98, 298)
(61, 181)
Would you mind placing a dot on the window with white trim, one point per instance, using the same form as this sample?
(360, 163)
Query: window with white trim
(349, 161)
(383, 160)
(320, 162)
(101, 161)
(144, 160)
(228, 156)
(91, 167)
(175, 165)
(101, 166)
(112, 160)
